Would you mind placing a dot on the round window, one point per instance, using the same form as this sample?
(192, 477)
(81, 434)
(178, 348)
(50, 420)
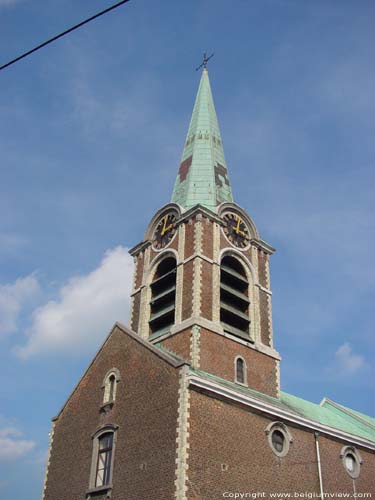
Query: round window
(279, 438)
(278, 441)
(351, 461)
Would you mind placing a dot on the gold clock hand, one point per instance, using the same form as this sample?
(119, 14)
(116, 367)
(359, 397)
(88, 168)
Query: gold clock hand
(168, 228)
(238, 225)
(164, 226)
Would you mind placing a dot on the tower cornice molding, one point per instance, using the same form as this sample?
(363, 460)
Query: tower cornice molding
(200, 209)
(262, 245)
(217, 329)
(140, 247)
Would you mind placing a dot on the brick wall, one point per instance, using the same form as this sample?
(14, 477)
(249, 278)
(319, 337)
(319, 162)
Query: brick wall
(207, 238)
(265, 333)
(206, 292)
(135, 311)
(221, 433)
(145, 411)
(187, 290)
(217, 354)
(189, 239)
(335, 477)
(140, 261)
(179, 344)
(262, 263)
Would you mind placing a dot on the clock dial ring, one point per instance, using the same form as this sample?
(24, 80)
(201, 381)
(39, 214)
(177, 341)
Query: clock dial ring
(164, 231)
(236, 230)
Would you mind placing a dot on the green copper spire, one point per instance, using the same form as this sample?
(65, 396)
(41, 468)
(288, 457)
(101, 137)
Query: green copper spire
(202, 177)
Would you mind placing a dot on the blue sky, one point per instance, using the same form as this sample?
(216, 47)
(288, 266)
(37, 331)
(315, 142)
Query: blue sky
(91, 133)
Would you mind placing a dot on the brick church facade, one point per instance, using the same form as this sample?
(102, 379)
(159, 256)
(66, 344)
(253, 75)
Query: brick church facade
(186, 403)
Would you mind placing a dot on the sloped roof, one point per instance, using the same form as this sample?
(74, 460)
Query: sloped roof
(165, 355)
(328, 415)
(353, 415)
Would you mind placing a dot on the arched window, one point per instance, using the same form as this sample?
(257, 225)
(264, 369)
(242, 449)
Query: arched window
(104, 442)
(163, 297)
(234, 297)
(240, 370)
(104, 462)
(110, 385)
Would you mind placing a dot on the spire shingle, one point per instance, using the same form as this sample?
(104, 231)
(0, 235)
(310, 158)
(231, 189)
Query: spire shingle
(202, 177)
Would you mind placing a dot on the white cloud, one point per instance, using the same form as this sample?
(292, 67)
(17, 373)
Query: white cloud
(12, 297)
(347, 361)
(85, 310)
(12, 446)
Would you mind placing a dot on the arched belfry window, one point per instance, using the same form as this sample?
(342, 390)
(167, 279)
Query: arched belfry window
(163, 296)
(234, 297)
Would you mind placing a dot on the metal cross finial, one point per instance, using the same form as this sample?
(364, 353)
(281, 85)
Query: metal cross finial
(205, 61)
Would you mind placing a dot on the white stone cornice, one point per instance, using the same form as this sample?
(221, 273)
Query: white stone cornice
(262, 245)
(200, 209)
(139, 248)
(274, 411)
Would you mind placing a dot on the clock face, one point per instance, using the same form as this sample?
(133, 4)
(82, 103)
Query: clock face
(236, 230)
(165, 230)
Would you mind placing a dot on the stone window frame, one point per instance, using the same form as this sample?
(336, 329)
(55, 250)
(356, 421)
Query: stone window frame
(351, 450)
(252, 283)
(106, 386)
(288, 438)
(106, 488)
(152, 269)
(244, 383)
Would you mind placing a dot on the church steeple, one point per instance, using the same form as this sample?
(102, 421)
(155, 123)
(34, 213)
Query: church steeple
(201, 284)
(202, 177)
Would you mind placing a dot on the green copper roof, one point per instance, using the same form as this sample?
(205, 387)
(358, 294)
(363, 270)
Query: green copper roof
(202, 177)
(326, 415)
(352, 415)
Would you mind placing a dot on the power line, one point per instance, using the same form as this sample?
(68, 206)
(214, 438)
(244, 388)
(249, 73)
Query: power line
(50, 40)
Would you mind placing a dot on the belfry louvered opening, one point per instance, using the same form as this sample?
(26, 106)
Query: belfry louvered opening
(234, 297)
(163, 296)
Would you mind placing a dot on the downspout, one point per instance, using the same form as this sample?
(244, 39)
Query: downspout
(319, 464)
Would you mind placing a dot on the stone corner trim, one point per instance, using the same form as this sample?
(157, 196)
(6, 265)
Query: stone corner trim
(182, 448)
(48, 457)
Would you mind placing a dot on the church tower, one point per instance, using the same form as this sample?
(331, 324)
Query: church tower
(186, 405)
(202, 281)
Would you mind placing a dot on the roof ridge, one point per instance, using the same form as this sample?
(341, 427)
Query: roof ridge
(349, 411)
